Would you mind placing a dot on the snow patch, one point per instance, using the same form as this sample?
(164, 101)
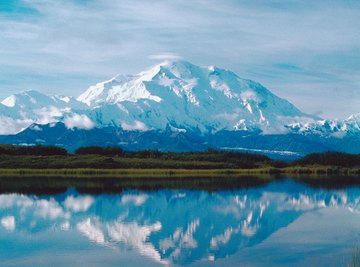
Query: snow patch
(136, 126)
(66, 99)
(280, 152)
(226, 116)
(36, 128)
(248, 95)
(9, 101)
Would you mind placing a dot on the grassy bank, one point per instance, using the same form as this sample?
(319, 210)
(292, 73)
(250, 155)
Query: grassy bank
(107, 182)
(19, 161)
(50, 169)
(48, 181)
(134, 173)
(168, 172)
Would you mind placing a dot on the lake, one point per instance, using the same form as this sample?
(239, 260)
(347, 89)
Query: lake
(280, 222)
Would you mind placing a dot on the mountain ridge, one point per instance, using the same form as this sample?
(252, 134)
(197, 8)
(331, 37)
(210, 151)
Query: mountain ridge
(174, 104)
(176, 93)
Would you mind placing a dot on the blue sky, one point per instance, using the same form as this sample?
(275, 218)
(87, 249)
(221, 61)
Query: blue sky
(305, 51)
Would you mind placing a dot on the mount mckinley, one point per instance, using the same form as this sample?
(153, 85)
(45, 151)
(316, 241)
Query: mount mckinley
(175, 106)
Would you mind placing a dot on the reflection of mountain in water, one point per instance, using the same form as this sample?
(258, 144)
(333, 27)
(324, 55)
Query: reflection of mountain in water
(171, 226)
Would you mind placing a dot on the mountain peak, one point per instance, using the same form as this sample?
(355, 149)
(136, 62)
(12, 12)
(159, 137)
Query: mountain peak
(184, 95)
(24, 97)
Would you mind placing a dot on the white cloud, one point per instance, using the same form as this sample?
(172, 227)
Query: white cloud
(138, 200)
(49, 114)
(78, 204)
(15, 200)
(11, 126)
(79, 121)
(164, 56)
(8, 223)
(49, 209)
(65, 226)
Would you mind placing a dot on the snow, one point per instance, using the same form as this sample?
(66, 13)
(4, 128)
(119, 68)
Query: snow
(10, 101)
(21, 110)
(335, 128)
(66, 99)
(137, 125)
(282, 152)
(94, 92)
(174, 93)
(120, 88)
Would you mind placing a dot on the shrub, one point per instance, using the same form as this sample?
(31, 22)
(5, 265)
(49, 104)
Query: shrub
(37, 150)
(96, 150)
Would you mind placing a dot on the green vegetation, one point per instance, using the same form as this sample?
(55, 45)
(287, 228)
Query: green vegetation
(46, 169)
(113, 161)
(54, 184)
(330, 159)
(133, 173)
(95, 150)
(326, 163)
(40, 157)
(32, 150)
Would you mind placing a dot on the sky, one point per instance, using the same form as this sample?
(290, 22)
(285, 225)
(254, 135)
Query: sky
(305, 51)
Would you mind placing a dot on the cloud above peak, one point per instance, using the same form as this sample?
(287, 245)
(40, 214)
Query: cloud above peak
(79, 121)
(164, 56)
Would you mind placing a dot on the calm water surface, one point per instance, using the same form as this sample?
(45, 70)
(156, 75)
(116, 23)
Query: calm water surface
(282, 223)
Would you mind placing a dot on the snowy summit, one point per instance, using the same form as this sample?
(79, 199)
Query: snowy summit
(185, 96)
(174, 94)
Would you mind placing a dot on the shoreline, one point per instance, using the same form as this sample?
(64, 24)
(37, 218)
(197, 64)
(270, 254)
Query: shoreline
(173, 173)
(109, 181)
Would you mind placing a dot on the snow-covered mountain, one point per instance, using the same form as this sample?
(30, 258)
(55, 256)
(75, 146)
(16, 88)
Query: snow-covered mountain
(19, 111)
(174, 94)
(337, 128)
(185, 96)
(175, 105)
